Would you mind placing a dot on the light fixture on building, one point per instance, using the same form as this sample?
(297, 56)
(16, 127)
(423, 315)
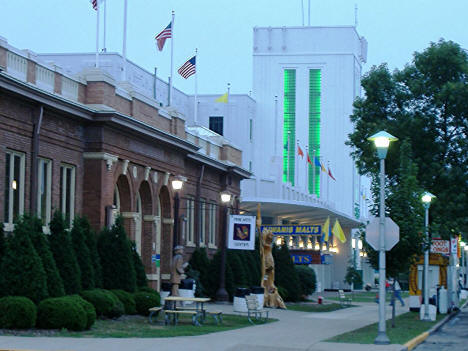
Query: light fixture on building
(317, 245)
(178, 182)
(301, 243)
(309, 244)
(14, 185)
(353, 243)
(324, 246)
(226, 197)
(279, 240)
(359, 244)
(361, 254)
(291, 241)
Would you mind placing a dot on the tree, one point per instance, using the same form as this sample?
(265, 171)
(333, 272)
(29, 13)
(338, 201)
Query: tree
(23, 273)
(286, 276)
(115, 253)
(140, 274)
(426, 104)
(83, 255)
(90, 239)
(64, 255)
(41, 245)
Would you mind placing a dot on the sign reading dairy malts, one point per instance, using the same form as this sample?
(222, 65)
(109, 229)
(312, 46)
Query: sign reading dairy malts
(241, 234)
(440, 246)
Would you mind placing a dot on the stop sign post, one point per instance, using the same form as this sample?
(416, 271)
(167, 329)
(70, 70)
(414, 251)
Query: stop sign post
(392, 234)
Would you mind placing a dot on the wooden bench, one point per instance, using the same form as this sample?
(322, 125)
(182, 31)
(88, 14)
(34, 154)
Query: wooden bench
(344, 301)
(154, 312)
(253, 309)
(217, 316)
(175, 316)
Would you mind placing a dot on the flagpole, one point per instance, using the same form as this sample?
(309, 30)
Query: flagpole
(105, 21)
(195, 118)
(309, 13)
(124, 48)
(313, 172)
(172, 58)
(276, 126)
(307, 172)
(302, 4)
(97, 36)
(328, 184)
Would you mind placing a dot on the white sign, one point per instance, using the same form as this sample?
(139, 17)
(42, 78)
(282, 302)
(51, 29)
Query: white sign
(392, 234)
(241, 235)
(454, 246)
(440, 246)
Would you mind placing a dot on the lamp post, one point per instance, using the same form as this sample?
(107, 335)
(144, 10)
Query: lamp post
(462, 249)
(382, 141)
(177, 184)
(426, 199)
(221, 294)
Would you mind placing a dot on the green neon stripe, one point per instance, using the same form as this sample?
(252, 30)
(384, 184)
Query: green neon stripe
(315, 90)
(289, 126)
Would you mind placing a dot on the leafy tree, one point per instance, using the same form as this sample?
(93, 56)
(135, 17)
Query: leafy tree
(352, 276)
(83, 255)
(23, 273)
(307, 279)
(424, 103)
(41, 244)
(286, 276)
(90, 239)
(114, 247)
(64, 255)
(140, 274)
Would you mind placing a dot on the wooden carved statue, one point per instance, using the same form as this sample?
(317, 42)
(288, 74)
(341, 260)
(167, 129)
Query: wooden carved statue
(272, 297)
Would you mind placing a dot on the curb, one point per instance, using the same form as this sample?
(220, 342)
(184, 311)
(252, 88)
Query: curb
(408, 346)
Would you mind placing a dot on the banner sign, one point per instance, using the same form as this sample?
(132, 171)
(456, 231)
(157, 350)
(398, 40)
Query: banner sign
(241, 234)
(294, 229)
(440, 246)
(301, 259)
(454, 245)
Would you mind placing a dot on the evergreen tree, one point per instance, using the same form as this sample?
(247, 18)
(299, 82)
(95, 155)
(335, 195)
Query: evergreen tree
(2, 251)
(286, 276)
(83, 255)
(213, 277)
(91, 243)
(200, 262)
(238, 269)
(115, 253)
(64, 255)
(140, 274)
(41, 244)
(23, 273)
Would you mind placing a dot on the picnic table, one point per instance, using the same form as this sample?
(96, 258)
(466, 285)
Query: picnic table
(171, 308)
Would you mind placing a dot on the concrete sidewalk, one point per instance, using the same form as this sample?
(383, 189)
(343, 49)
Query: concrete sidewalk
(294, 331)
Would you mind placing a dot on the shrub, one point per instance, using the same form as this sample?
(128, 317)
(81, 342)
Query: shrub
(352, 276)
(41, 244)
(285, 274)
(105, 302)
(118, 270)
(90, 240)
(238, 269)
(140, 274)
(17, 312)
(83, 256)
(200, 262)
(64, 255)
(87, 307)
(61, 312)
(307, 279)
(23, 273)
(145, 301)
(127, 300)
(213, 277)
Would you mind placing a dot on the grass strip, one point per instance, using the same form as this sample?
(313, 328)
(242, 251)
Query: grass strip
(407, 326)
(139, 327)
(309, 307)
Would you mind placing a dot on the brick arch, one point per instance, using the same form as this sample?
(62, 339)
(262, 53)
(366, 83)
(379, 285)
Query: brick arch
(125, 192)
(146, 198)
(166, 229)
(147, 226)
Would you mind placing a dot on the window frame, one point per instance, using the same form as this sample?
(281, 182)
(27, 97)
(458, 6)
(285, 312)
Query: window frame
(63, 191)
(8, 223)
(212, 206)
(47, 191)
(202, 238)
(190, 201)
(216, 121)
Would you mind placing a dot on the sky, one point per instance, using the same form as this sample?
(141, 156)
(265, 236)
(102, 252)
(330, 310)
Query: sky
(223, 31)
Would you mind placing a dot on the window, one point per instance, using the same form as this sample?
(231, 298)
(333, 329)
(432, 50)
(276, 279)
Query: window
(212, 224)
(190, 218)
(216, 124)
(202, 221)
(67, 192)
(315, 90)
(44, 186)
(250, 129)
(289, 126)
(14, 187)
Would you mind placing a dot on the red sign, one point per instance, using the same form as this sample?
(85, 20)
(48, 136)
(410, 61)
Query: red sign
(440, 246)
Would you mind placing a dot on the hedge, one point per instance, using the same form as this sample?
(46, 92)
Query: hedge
(145, 300)
(127, 300)
(105, 302)
(88, 308)
(17, 312)
(61, 312)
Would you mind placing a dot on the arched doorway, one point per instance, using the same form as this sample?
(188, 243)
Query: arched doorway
(166, 232)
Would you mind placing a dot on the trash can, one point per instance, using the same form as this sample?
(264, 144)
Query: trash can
(187, 289)
(239, 304)
(258, 291)
(320, 300)
(443, 306)
(165, 291)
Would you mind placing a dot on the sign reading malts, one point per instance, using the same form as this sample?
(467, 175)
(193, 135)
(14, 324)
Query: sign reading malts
(294, 229)
(241, 234)
(301, 259)
(440, 246)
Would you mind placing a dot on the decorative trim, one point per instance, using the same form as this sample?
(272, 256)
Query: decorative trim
(165, 276)
(132, 215)
(152, 277)
(190, 245)
(125, 166)
(166, 178)
(109, 158)
(150, 218)
(211, 246)
(135, 171)
(168, 220)
(147, 172)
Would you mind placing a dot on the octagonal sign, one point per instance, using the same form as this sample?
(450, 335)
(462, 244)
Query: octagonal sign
(392, 234)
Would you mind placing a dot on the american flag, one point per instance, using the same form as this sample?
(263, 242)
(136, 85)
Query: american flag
(165, 34)
(95, 4)
(188, 68)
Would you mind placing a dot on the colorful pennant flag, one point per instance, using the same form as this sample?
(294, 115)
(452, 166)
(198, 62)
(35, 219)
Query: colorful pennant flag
(326, 229)
(165, 34)
(322, 168)
(308, 159)
(223, 98)
(330, 174)
(338, 232)
(95, 4)
(317, 162)
(188, 68)
(299, 151)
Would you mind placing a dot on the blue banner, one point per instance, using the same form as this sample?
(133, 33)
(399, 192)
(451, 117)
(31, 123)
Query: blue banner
(301, 259)
(294, 229)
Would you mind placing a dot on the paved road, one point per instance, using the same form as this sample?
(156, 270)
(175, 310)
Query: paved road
(452, 336)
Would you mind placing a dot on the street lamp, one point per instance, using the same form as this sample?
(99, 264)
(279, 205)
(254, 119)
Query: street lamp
(221, 294)
(382, 141)
(426, 199)
(177, 184)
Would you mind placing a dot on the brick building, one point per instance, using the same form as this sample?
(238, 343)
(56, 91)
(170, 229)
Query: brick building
(87, 144)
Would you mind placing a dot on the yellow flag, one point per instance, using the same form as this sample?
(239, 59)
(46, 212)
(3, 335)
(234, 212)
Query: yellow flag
(338, 232)
(223, 98)
(326, 229)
